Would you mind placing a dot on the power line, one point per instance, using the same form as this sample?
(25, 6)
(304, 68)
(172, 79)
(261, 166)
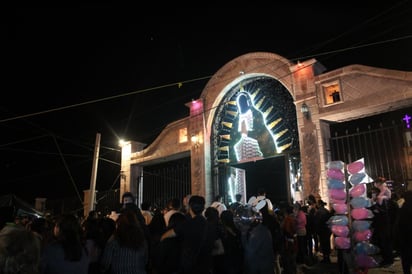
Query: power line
(180, 83)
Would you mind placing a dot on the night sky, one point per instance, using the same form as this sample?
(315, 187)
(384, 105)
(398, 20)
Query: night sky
(70, 73)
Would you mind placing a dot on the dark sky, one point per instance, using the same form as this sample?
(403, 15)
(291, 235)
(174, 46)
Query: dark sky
(70, 73)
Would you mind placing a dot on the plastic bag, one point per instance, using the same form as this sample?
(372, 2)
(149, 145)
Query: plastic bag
(364, 235)
(340, 208)
(342, 242)
(335, 165)
(357, 178)
(355, 167)
(340, 230)
(336, 184)
(360, 225)
(335, 173)
(337, 194)
(361, 213)
(359, 202)
(357, 190)
(366, 261)
(366, 248)
(338, 220)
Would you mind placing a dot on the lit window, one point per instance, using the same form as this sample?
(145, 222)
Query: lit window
(183, 135)
(332, 93)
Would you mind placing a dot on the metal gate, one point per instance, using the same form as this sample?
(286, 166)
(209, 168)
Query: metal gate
(165, 181)
(380, 142)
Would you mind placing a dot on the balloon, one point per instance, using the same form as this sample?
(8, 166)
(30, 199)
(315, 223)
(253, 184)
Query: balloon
(335, 183)
(357, 178)
(366, 261)
(360, 225)
(337, 194)
(338, 220)
(355, 167)
(335, 165)
(364, 235)
(335, 173)
(340, 208)
(342, 242)
(340, 230)
(361, 213)
(357, 190)
(359, 202)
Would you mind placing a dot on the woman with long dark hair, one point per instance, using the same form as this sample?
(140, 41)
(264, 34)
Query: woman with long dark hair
(126, 252)
(67, 253)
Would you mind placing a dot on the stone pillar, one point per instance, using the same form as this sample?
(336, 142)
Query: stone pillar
(126, 175)
(197, 159)
(308, 125)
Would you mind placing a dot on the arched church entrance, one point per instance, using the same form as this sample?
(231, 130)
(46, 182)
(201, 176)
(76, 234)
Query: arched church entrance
(255, 141)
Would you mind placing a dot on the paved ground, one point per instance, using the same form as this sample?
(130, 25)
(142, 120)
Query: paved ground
(332, 268)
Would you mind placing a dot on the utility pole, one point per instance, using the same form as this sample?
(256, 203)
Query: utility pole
(94, 173)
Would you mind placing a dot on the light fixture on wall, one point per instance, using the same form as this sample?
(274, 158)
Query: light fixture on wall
(305, 110)
(195, 140)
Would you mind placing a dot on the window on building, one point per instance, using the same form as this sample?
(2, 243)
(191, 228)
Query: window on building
(183, 135)
(332, 93)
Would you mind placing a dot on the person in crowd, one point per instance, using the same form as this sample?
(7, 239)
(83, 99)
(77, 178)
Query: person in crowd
(383, 221)
(198, 239)
(404, 228)
(290, 248)
(232, 242)
(128, 203)
(19, 251)
(22, 220)
(168, 258)
(272, 223)
(67, 254)
(93, 237)
(300, 219)
(156, 228)
(323, 230)
(185, 204)
(147, 212)
(173, 206)
(237, 203)
(43, 229)
(126, 251)
(213, 218)
(261, 195)
(218, 204)
(127, 198)
(312, 238)
(256, 241)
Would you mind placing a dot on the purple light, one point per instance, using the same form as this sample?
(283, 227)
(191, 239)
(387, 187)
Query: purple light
(407, 120)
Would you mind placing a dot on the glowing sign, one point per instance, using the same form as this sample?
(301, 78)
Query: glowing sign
(407, 120)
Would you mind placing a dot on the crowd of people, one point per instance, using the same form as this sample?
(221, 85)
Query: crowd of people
(187, 236)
